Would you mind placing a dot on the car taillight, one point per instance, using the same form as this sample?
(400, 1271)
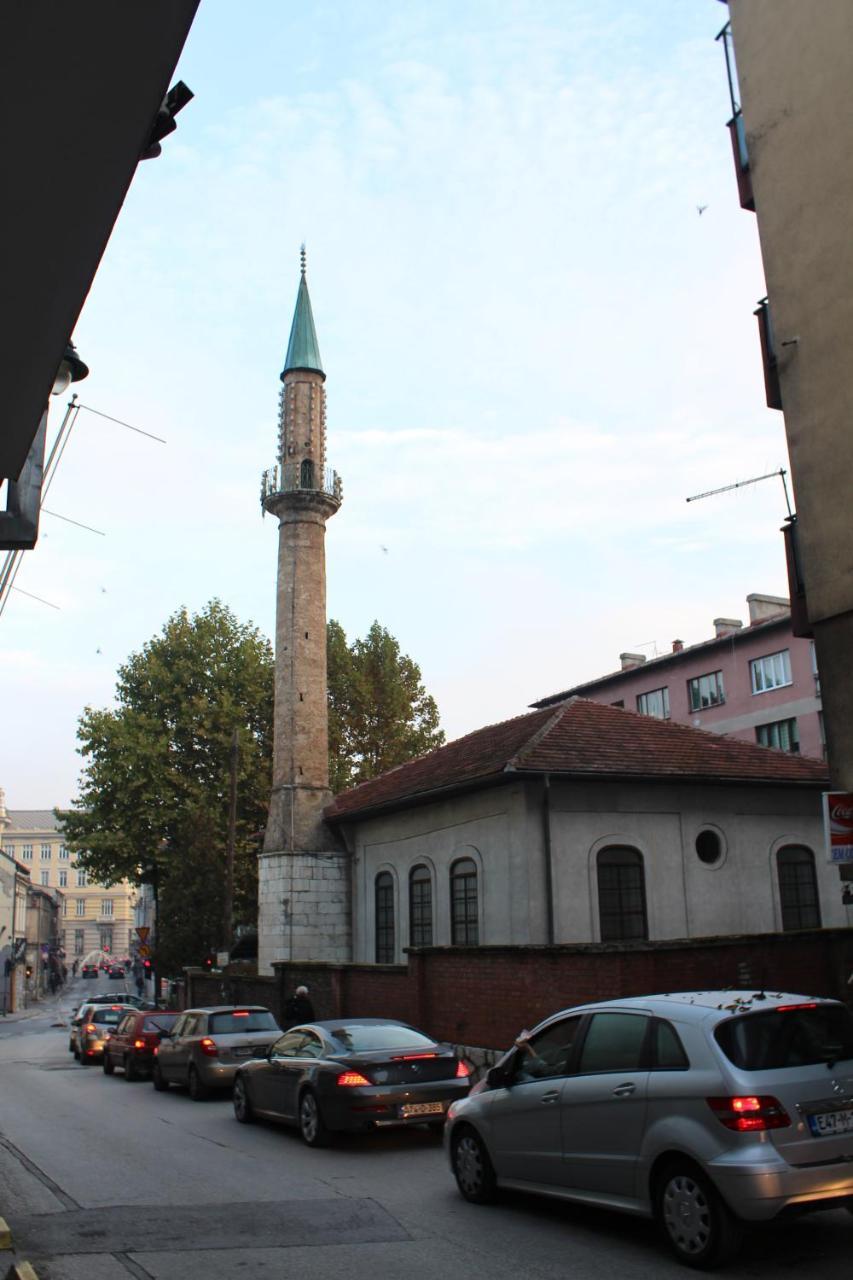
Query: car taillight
(349, 1079)
(462, 1069)
(208, 1046)
(410, 1057)
(786, 1008)
(90, 1026)
(139, 1044)
(750, 1114)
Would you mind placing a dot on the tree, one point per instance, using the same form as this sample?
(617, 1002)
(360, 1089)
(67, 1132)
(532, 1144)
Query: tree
(380, 714)
(153, 797)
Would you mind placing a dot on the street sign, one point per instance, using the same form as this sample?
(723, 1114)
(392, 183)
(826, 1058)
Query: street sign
(145, 952)
(143, 930)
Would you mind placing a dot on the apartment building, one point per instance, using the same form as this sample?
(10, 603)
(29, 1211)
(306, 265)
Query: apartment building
(757, 682)
(93, 917)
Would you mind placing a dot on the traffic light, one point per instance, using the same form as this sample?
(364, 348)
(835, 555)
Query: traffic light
(208, 962)
(146, 965)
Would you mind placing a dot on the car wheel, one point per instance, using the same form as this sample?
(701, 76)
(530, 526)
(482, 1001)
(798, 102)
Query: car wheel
(312, 1127)
(472, 1168)
(130, 1071)
(70, 1046)
(108, 1064)
(700, 1228)
(198, 1092)
(242, 1105)
(159, 1081)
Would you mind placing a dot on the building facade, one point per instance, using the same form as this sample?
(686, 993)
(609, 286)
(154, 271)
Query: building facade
(759, 682)
(93, 917)
(585, 823)
(789, 71)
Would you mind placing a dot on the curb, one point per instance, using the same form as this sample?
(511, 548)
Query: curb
(5, 1235)
(21, 1271)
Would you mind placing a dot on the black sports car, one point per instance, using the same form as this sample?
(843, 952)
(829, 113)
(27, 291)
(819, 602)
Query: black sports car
(351, 1074)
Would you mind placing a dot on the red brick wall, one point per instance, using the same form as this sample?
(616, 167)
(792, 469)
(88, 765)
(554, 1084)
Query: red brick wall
(485, 995)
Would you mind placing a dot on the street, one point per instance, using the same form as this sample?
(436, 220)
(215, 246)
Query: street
(103, 1179)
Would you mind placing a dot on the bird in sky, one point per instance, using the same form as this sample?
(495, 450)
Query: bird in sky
(700, 209)
(381, 548)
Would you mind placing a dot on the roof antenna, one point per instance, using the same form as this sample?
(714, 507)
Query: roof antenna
(302, 259)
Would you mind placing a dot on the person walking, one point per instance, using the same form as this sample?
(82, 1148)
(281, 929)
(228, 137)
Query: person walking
(140, 980)
(298, 1008)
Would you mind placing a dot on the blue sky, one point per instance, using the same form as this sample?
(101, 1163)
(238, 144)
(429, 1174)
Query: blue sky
(536, 348)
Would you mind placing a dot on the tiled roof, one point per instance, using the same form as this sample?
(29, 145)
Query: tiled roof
(580, 738)
(32, 820)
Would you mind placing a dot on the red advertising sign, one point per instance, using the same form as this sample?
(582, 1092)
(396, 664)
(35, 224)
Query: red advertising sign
(838, 825)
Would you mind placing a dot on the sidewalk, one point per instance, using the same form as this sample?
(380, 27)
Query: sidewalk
(47, 1004)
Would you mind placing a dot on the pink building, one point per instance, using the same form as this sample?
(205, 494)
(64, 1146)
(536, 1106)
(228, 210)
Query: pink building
(757, 682)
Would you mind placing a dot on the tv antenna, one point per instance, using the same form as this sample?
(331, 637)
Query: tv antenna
(739, 484)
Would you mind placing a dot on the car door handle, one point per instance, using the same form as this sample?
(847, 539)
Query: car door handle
(548, 1098)
(624, 1090)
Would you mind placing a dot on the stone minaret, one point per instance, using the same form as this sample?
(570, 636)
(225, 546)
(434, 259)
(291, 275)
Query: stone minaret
(303, 875)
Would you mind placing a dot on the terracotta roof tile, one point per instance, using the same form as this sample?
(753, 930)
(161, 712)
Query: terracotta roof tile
(581, 738)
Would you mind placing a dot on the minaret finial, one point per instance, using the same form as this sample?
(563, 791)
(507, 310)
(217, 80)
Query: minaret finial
(302, 257)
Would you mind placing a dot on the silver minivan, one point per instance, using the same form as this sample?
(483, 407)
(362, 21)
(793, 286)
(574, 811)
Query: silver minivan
(206, 1046)
(702, 1109)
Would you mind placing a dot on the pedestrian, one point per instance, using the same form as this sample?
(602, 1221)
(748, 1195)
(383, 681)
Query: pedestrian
(140, 982)
(299, 1008)
(74, 968)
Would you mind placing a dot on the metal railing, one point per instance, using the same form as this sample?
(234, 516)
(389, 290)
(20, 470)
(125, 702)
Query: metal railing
(295, 476)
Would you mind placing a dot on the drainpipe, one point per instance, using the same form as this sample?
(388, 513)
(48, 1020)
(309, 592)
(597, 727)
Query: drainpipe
(549, 875)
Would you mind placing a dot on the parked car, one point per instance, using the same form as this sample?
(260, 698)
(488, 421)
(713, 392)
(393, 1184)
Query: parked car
(89, 971)
(78, 1016)
(702, 1109)
(351, 1074)
(92, 1031)
(206, 1046)
(132, 1044)
(116, 971)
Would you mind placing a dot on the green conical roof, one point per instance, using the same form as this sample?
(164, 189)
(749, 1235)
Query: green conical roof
(303, 351)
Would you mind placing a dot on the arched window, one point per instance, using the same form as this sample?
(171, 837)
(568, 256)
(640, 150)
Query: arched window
(464, 923)
(420, 907)
(798, 888)
(306, 474)
(384, 918)
(621, 895)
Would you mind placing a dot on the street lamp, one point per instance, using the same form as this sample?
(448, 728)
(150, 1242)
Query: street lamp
(71, 369)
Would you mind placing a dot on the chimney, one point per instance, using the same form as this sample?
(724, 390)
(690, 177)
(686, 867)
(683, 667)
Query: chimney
(726, 626)
(762, 607)
(631, 660)
(677, 646)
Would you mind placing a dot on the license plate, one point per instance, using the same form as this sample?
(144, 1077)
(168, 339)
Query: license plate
(421, 1109)
(829, 1123)
(243, 1052)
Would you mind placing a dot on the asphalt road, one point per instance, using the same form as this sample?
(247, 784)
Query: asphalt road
(101, 1180)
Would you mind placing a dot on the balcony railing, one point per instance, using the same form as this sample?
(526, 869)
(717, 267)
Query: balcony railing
(295, 476)
(772, 388)
(736, 127)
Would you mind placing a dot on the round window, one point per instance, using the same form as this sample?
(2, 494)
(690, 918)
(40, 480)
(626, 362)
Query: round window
(709, 847)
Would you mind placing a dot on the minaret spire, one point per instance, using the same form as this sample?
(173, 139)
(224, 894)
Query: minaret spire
(303, 349)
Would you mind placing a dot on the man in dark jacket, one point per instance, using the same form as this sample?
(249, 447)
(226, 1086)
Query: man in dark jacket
(299, 1008)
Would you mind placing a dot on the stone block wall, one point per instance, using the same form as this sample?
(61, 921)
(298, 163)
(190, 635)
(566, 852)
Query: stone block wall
(303, 908)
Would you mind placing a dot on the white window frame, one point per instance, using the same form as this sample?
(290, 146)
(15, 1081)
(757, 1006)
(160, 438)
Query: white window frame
(643, 702)
(107, 907)
(63, 878)
(26, 852)
(45, 852)
(82, 882)
(64, 853)
(772, 671)
(779, 729)
(80, 909)
(45, 878)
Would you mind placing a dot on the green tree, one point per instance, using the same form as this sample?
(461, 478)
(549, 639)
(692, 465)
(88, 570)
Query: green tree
(380, 714)
(153, 796)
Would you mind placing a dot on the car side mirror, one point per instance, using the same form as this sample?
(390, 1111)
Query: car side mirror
(500, 1075)
(165, 1035)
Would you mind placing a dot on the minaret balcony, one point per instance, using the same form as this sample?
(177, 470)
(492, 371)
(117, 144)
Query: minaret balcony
(295, 477)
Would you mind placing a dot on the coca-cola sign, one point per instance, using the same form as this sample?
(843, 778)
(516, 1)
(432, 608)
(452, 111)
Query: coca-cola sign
(838, 825)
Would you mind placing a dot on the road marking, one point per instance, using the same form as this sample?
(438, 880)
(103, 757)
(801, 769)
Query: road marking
(67, 1202)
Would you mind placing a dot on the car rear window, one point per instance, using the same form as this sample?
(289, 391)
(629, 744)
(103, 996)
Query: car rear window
(367, 1039)
(111, 1016)
(798, 1036)
(235, 1023)
(160, 1022)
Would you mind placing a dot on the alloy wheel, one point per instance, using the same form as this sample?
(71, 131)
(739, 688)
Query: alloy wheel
(475, 1176)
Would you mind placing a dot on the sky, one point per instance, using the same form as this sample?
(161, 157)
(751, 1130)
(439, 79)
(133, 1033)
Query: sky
(536, 347)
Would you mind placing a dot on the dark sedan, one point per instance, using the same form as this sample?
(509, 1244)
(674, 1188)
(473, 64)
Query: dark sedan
(351, 1074)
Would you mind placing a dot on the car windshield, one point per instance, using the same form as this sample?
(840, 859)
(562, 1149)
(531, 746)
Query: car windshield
(162, 1022)
(796, 1036)
(367, 1038)
(241, 1020)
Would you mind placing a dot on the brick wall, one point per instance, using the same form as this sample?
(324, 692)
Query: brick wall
(484, 996)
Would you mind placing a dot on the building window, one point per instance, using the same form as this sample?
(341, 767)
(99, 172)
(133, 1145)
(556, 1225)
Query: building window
(45, 878)
(781, 734)
(655, 703)
(45, 853)
(79, 935)
(81, 906)
(27, 852)
(63, 878)
(798, 888)
(65, 906)
(815, 671)
(81, 879)
(10, 849)
(420, 907)
(706, 691)
(107, 907)
(63, 853)
(106, 939)
(709, 846)
(464, 919)
(384, 918)
(771, 672)
(621, 895)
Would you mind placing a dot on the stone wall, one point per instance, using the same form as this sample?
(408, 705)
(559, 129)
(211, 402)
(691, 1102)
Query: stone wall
(303, 908)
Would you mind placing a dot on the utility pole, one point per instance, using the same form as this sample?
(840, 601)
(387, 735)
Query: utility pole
(228, 910)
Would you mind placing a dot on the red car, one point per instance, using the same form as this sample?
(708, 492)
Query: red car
(131, 1045)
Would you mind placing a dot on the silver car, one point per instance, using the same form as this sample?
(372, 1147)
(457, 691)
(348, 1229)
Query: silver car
(206, 1046)
(702, 1109)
